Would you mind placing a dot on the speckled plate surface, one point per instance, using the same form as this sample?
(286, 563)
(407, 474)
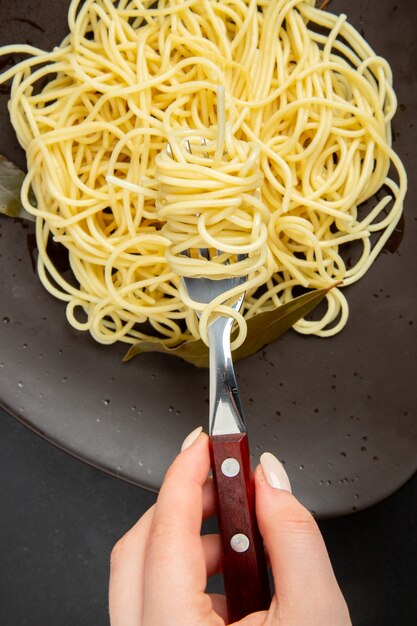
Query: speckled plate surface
(341, 413)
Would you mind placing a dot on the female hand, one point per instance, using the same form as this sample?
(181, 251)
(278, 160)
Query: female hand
(159, 569)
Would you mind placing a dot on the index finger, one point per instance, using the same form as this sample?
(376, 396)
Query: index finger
(175, 559)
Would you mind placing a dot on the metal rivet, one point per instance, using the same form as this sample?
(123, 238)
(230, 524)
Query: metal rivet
(230, 467)
(239, 542)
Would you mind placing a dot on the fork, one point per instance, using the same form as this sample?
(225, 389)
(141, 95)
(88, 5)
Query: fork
(244, 563)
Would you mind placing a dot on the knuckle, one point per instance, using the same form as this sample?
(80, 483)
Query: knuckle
(297, 519)
(174, 474)
(161, 532)
(160, 529)
(133, 538)
(162, 543)
(119, 550)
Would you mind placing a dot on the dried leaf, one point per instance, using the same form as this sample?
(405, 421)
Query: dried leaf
(269, 326)
(262, 329)
(11, 180)
(194, 351)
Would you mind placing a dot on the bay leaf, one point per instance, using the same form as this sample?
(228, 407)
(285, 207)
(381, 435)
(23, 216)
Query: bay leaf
(194, 351)
(262, 329)
(11, 180)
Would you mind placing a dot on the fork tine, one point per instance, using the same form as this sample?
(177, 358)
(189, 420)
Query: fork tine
(188, 147)
(204, 143)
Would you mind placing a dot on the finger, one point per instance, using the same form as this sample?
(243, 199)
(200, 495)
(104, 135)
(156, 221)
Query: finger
(209, 499)
(175, 559)
(212, 553)
(219, 605)
(218, 602)
(127, 563)
(127, 570)
(300, 563)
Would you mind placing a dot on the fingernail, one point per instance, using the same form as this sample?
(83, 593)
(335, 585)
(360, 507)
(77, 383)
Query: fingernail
(191, 438)
(274, 472)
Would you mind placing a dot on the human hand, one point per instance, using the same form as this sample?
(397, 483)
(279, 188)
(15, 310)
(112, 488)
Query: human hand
(159, 569)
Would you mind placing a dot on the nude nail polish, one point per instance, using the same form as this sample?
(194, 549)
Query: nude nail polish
(274, 472)
(189, 440)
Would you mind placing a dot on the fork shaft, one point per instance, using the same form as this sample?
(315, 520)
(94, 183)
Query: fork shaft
(226, 415)
(244, 563)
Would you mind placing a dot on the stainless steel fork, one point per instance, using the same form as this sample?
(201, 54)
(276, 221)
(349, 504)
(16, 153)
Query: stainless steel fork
(244, 564)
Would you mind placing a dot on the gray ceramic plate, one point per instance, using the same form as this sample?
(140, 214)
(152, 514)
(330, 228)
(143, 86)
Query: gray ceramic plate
(339, 412)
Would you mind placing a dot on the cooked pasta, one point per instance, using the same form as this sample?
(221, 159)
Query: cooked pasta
(260, 129)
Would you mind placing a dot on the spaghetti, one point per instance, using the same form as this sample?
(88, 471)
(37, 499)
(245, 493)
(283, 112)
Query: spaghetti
(290, 179)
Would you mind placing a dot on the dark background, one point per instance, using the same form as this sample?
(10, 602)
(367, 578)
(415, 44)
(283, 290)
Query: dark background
(59, 519)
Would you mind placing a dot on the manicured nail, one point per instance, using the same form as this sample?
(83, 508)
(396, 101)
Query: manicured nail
(189, 440)
(274, 472)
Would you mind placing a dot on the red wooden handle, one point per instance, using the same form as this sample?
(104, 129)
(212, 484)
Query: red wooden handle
(245, 572)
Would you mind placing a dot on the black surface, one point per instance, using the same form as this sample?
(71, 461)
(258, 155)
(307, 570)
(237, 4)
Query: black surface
(59, 519)
(352, 397)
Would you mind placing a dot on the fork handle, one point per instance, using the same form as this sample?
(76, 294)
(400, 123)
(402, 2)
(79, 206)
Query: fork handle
(245, 572)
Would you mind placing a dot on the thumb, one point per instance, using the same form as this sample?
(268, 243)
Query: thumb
(305, 585)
